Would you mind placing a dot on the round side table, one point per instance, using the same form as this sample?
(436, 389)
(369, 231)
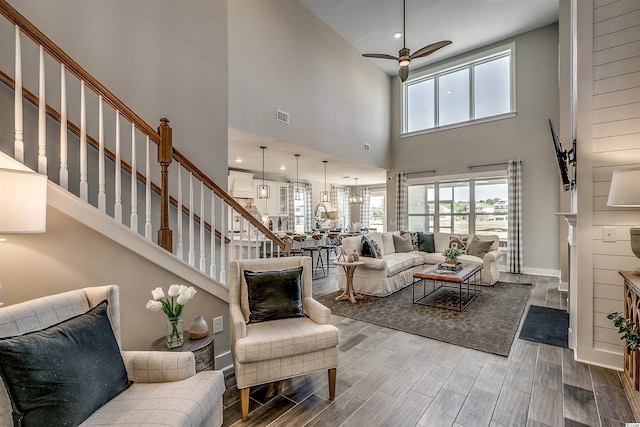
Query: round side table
(349, 293)
(202, 349)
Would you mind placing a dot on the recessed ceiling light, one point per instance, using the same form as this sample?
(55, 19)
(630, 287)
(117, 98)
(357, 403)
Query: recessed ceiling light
(448, 92)
(397, 35)
(238, 160)
(283, 168)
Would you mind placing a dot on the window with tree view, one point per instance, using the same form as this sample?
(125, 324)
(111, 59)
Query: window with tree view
(469, 206)
(480, 88)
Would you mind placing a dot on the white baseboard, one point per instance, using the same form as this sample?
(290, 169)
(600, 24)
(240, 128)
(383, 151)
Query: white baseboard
(541, 272)
(563, 286)
(224, 363)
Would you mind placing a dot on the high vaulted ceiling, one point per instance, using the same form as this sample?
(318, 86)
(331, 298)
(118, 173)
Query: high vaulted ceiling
(369, 26)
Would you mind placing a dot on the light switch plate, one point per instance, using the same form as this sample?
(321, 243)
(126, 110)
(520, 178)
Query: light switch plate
(218, 325)
(609, 234)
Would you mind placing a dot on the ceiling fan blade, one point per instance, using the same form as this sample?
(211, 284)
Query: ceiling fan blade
(380, 55)
(403, 73)
(428, 50)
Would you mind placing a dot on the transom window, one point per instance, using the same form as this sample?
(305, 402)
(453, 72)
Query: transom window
(481, 88)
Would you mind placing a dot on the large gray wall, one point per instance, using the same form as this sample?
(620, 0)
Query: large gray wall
(281, 56)
(524, 137)
(160, 58)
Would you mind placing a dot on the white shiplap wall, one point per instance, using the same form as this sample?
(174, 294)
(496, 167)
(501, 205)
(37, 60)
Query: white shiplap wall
(616, 144)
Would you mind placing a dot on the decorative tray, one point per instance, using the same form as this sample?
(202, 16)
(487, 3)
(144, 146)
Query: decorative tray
(450, 267)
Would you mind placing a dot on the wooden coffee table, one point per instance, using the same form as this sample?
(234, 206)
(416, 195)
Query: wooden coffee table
(465, 281)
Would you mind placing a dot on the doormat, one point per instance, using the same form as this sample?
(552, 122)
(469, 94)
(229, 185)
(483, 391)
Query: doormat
(547, 326)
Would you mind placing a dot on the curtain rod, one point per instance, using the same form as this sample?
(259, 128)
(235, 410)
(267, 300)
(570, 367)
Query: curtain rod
(490, 164)
(421, 172)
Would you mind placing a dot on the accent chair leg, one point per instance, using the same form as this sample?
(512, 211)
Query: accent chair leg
(244, 403)
(332, 383)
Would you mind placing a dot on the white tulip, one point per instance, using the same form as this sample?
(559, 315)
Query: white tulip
(186, 296)
(157, 293)
(175, 290)
(154, 305)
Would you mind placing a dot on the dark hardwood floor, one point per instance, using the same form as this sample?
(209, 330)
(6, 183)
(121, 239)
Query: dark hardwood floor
(391, 378)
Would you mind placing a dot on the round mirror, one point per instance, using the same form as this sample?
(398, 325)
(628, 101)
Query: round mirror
(320, 213)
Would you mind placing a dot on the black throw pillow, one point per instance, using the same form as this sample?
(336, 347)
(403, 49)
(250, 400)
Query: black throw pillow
(274, 294)
(426, 242)
(368, 249)
(61, 375)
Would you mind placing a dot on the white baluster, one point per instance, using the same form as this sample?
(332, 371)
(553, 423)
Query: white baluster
(18, 142)
(240, 251)
(102, 197)
(134, 182)
(212, 265)
(42, 118)
(117, 207)
(203, 259)
(192, 249)
(147, 226)
(180, 247)
(223, 243)
(257, 242)
(84, 185)
(64, 167)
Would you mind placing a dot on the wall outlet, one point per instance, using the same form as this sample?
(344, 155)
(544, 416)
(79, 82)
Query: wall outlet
(218, 325)
(609, 234)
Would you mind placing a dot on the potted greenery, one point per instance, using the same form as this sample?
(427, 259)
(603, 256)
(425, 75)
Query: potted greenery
(628, 329)
(451, 255)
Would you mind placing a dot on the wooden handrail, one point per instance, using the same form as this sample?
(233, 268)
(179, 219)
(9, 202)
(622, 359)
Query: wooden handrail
(74, 68)
(75, 129)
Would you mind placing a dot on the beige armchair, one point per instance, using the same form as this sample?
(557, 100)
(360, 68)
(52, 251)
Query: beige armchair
(166, 389)
(284, 348)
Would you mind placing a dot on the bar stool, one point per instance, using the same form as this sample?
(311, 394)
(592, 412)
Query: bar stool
(331, 244)
(313, 250)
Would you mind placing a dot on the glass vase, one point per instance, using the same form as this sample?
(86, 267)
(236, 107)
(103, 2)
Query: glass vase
(175, 337)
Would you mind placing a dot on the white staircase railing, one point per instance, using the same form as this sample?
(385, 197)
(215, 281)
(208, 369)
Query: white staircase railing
(114, 172)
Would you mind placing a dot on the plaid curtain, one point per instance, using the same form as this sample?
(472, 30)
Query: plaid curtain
(333, 198)
(402, 202)
(365, 210)
(514, 252)
(347, 209)
(309, 220)
(291, 213)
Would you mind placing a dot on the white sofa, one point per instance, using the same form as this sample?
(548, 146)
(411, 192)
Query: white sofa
(394, 270)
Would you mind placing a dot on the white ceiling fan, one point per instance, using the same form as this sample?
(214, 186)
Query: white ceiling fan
(404, 55)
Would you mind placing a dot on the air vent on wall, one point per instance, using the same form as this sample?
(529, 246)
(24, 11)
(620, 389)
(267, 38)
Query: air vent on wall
(367, 147)
(281, 116)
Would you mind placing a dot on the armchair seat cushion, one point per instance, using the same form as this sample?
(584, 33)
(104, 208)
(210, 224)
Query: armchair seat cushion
(191, 402)
(283, 338)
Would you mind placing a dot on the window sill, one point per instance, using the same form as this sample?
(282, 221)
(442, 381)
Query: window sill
(459, 125)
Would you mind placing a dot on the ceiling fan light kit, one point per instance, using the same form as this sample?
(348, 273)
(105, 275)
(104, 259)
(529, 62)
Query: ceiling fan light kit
(404, 55)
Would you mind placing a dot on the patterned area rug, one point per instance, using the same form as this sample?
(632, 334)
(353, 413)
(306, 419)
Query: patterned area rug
(488, 324)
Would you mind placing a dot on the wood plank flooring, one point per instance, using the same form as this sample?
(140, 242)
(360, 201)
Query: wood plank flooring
(391, 378)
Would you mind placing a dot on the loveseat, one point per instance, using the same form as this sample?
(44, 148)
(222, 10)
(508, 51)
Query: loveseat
(64, 360)
(395, 266)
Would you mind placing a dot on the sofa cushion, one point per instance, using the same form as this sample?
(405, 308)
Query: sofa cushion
(369, 248)
(274, 294)
(398, 262)
(290, 338)
(478, 247)
(62, 374)
(426, 242)
(402, 244)
(432, 258)
(413, 235)
(470, 259)
(388, 246)
(459, 242)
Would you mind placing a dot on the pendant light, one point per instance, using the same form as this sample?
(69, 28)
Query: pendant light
(356, 198)
(263, 190)
(297, 192)
(324, 195)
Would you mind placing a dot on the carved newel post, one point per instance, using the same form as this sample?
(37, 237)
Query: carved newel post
(165, 156)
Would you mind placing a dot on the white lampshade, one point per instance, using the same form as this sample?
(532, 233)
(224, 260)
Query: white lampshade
(23, 202)
(625, 188)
